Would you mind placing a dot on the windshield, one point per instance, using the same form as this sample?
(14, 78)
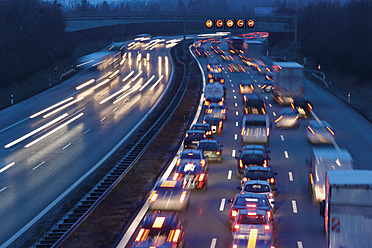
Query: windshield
(252, 219)
(253, 159)
(208, 146)
(254, 174)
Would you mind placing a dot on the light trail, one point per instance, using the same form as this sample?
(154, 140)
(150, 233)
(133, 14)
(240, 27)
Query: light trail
(126, 87)
(136, 87)
(128, 76)
(102, 83)
(157, 82)
(85, 63)
(36, 131)
(85, 84)
(54, 130)
(137, 76)
(147, 83)
(63, 107)
(51, 107)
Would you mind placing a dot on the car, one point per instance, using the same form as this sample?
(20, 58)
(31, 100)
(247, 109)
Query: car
(260, 173)
(303, 106)
(160, 229)
(213, 65)
(235, 68)
(216, 76)
(191, 168)
(215, 122)
(250, 223)
(193, 137)
(217, 110)
(287, 118)
(255, 129)
(267, 86)
(254, 104)
(319, 132)
(259, 187)
(212, 150)
(204, 127)
(246, 87)
(214, 99)
(257, 147)
(169, 195)
(201, 52)
(251, 201)
(250, 158)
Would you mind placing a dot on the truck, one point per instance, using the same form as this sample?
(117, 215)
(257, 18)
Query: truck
(288, 80)
(347, 209)
(323, 160)
(100, 60)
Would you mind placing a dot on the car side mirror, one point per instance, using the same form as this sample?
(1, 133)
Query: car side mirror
(268, 158)
(221, 145)
(236, 157)
(275, 189)
(227, 108)
(230, 201)
(239, 187)
(240, 151)
(275, 173)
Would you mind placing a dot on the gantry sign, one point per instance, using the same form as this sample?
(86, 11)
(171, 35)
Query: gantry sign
(229, 24)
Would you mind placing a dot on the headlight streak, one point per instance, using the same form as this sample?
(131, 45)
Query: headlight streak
(85, 63)
(136, 87)
(98, 63)
(137, 76)
(51, 107)
(114, 74)
(7, 167)
(170, 45)
(139, 56)
(63, 107)
(101, 83)
(157, 82)
(35, 131)
(128, 76)
(54, 130)
(147, 56)
(126, 87)
(147, 83)
(85, 84)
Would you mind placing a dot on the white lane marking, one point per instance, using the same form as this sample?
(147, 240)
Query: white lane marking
(235, 137)
(87, 131)
(227, 75)
(233, 153)
(66, 146)
(270, 105)
(255, 81)
(229, 174)
(286, 154)
(7, 167)
(114, 109)
(282, 137)
(299, 244)
(213, 243)
(237, 112)
(274, 114)
(230, 81)
(266, 97)
(294, 206)
(103, 119)
(231, 84)
(237, 124)
(290, 176)
(1, 190)
(37, 166)
(222, 205)
(251, 76)
(234, 97)
(236, 104)
(15, 124)
(233, 91)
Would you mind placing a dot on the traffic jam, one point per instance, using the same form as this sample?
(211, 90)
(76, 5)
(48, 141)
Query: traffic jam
(251, 210)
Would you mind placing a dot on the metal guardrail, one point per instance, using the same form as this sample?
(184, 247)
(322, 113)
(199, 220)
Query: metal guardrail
(85, 206)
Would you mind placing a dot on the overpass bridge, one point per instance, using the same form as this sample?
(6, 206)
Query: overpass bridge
(193, 22)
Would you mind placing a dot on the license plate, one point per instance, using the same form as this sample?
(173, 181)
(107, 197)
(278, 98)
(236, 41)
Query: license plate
(195, 142)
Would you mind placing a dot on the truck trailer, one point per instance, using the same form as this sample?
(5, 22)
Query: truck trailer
(348, 209)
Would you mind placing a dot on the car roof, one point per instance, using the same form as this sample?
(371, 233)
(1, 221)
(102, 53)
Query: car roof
(258, 211)
(251, 195)
(252, 152)
(211, 116)
(254, 147)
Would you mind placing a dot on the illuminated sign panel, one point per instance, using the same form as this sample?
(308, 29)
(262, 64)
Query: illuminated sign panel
(240, 24)
(219, 24)
(230, 24)
(209, 24)
(250, 24)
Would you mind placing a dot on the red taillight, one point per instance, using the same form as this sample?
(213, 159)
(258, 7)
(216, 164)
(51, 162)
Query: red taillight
(330, 130)
(241, 163)
(187, 135)
(207, 103)
(267, 227)
(234, 213)
(178, 162)
(268, 213)
(202, 163)
(265, 163)
(142, 234)
(311, 130)
(220, 124)
(292, 106)
(271, 195)
(176, 236)
(245, 179)
(252, 87)
(236, 227)
(218, 152)
(201, 177)
(309, 105)
(175, 176)
(153, 196)
(272, 180)
(183, 196)
(243, 129)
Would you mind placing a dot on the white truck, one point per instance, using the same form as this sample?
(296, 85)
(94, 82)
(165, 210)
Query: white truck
(288, 82)
(252, 49)
(348, 209)
(323, 160)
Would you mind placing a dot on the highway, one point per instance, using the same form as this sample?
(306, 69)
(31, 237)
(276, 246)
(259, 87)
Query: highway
(52, 141)
(297, 223)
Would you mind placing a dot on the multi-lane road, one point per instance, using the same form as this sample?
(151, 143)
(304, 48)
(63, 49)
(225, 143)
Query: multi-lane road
(52, 141)
(297, 222)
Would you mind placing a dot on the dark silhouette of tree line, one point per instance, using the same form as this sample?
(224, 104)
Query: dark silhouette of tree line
(337, 36)
(32, 37)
